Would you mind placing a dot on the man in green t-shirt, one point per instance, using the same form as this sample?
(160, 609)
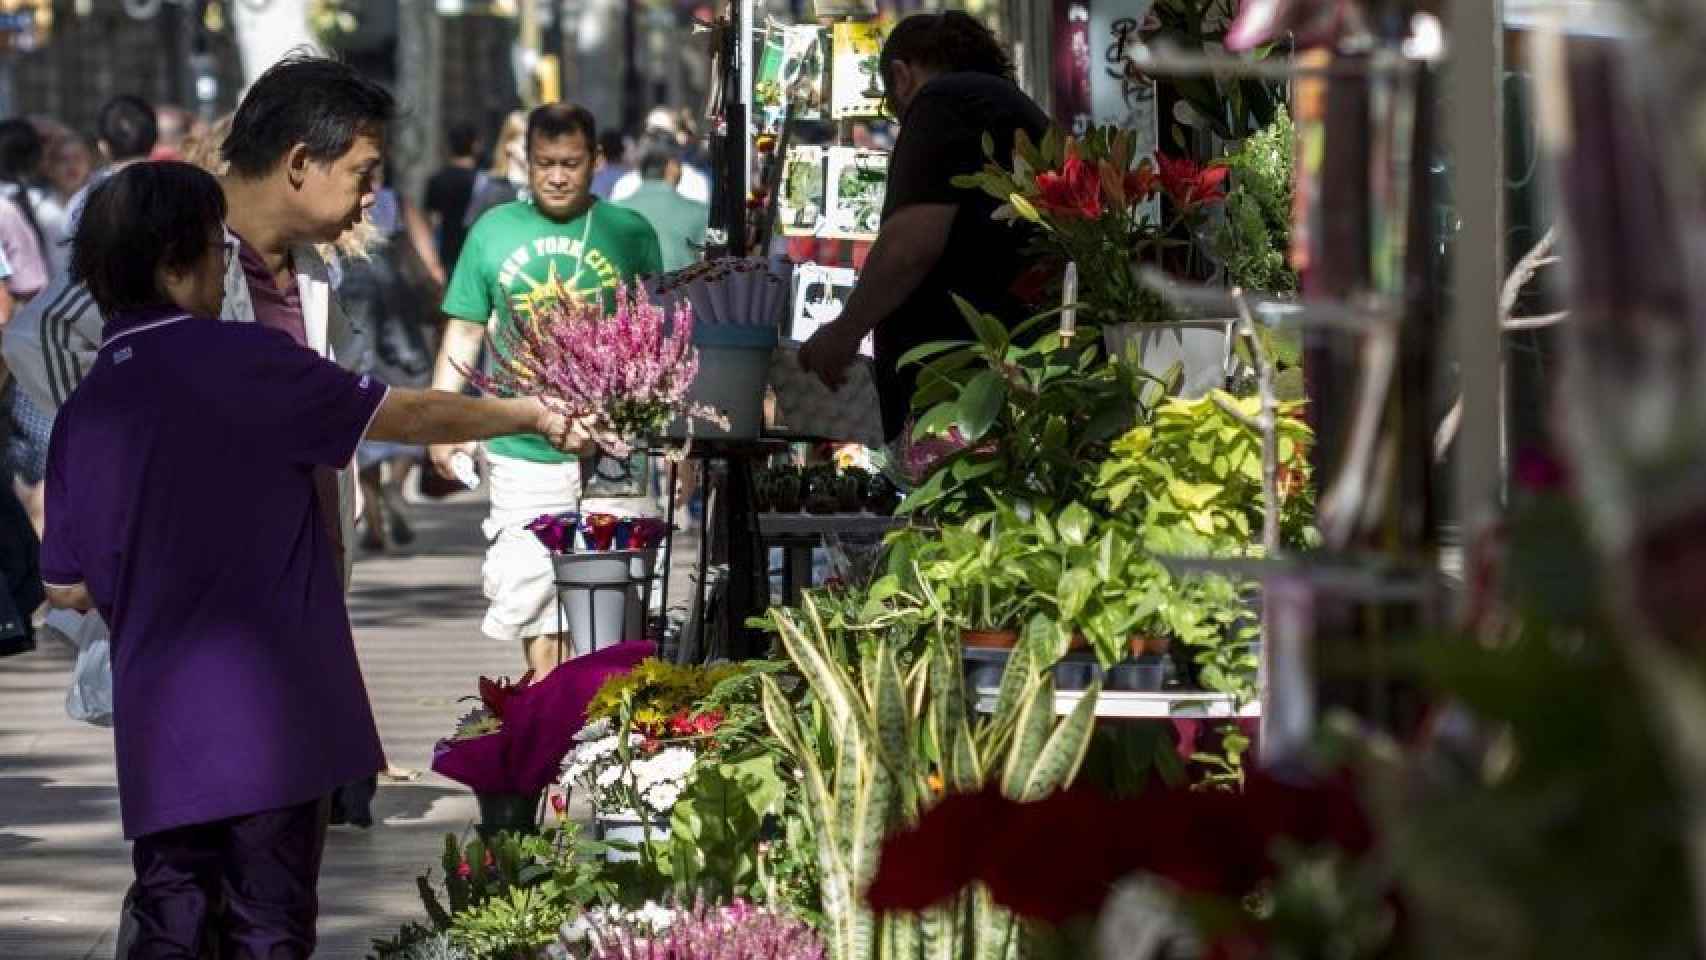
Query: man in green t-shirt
(559, 232)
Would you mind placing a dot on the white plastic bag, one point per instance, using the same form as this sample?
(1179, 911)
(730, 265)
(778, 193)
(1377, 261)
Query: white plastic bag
(90, 698)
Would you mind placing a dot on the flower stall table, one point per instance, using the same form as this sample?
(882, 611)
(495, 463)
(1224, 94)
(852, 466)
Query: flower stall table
(797, 534)
(1136, 705)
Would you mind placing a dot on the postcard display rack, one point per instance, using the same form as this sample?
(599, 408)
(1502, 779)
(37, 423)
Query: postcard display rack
(772, 84)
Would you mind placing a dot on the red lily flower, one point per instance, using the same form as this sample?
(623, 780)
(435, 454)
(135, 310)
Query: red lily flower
(1141, 184)
(496, 694)
(1189, 184)
(1076, 191)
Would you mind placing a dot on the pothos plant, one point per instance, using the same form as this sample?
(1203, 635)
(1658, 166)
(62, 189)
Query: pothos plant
(1013, 414)
(1197, 464)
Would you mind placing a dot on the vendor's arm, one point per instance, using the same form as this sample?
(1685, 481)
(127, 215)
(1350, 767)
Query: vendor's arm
(436, 417)
(459, 350)
(75, 597)
(912, 240)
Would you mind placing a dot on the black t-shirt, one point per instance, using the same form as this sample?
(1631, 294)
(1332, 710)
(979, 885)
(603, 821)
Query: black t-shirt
(447, 194)
(941, 138)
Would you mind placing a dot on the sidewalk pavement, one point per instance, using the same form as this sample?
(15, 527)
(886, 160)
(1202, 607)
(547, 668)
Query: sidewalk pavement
(64, 865)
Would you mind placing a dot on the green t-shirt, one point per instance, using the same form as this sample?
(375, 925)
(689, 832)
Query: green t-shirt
(513, 251)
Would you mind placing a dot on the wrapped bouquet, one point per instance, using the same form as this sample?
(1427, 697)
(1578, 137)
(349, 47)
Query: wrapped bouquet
(625, 375)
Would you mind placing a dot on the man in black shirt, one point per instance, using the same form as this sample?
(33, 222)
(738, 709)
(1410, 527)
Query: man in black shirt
(448, 193)
(949, 82)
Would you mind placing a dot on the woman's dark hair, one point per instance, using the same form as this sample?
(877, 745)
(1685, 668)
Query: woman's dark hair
(146, 217)
(21, 149)
(320, 103)
(128, 127)
(555, 120)
(952, 42)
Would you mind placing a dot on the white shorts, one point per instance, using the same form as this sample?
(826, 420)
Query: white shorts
(520, 582)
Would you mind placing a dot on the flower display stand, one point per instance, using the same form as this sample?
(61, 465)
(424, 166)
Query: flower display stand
(603, 597)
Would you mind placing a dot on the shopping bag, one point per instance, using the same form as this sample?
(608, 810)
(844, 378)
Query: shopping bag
(90, 698)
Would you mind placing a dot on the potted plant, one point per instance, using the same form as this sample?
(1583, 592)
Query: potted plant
(1013, 415)
(786, 489)
(636, 756)
(509, 747)
(1098, 206)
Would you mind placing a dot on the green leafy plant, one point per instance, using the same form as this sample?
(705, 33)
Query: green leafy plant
(1229, 107)
(512, 925)
(894, 738)
(1013, 415)
(506, 897)
(1253, 241)
(1196, 469)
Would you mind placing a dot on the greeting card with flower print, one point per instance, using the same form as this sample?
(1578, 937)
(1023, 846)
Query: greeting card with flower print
(856, 85)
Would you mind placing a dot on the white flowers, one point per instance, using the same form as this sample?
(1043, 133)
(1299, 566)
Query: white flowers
(652, 781)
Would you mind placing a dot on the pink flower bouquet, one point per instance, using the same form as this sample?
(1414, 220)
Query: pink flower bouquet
(626, 375)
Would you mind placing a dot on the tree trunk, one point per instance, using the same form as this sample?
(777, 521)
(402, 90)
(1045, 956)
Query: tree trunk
(265, 35)
(420, 55)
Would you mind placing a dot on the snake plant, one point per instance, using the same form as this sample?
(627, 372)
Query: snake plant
(894, 737)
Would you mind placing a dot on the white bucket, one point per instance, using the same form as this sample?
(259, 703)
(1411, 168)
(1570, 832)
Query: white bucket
(1202, 347)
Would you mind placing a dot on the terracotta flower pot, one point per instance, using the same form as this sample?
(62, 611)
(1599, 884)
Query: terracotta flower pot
(990, 639)
(1148, 643)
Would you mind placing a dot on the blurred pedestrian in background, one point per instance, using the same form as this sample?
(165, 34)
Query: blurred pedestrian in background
(70, 164)
(506, 177)
(451, 190)
(391, 294)
(174, 127)
(23, 242)
(613, 163)
(679, 221)
(694, 184)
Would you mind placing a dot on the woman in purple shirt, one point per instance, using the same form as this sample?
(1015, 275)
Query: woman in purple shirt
(192, 526)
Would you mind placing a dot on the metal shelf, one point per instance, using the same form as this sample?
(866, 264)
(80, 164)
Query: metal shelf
(840, 524)
(1139, 706)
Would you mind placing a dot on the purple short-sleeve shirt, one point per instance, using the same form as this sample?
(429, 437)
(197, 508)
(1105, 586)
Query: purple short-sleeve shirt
(235, 682)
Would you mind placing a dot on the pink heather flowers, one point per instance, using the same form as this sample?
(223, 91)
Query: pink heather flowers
(625, 374)
(739, 931)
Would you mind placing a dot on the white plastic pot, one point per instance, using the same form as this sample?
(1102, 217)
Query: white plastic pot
(1202, 347)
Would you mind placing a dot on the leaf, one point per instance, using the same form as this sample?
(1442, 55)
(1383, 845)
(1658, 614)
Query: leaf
(1075, 588)
(925, 351)
(1031, 734)
(893, 719)
(1074, 524)
(936, 421)
(980, 404)
(966, 469)
(990, 333)
(988, 143)
(1060, 759)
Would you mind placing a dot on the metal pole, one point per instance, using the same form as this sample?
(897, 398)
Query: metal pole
(1475, 133)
